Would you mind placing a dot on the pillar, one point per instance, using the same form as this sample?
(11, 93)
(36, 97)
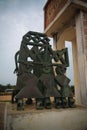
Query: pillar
(75, 66)
(81, 59)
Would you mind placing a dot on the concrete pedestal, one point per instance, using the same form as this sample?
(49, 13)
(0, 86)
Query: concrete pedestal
(52, 119)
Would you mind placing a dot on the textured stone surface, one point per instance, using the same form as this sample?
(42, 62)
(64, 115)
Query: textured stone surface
(52, 119)
(2, 110)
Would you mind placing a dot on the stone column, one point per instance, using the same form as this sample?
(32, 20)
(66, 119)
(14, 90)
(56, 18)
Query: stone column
(55, 41)
(75, 66)
(58, 44)
(82, 83)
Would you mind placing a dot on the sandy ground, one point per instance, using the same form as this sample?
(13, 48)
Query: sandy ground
(5, 98)
(52, 119)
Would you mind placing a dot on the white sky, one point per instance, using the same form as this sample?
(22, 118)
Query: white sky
(17, 17)
(69, 72)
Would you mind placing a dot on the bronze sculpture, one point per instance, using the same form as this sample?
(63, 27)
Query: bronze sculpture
(38, 76)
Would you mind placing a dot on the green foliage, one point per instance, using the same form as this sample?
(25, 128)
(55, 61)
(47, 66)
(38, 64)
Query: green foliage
(4, 87)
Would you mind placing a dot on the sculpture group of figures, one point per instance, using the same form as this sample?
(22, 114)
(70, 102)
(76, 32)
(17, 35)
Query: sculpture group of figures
(41, 73)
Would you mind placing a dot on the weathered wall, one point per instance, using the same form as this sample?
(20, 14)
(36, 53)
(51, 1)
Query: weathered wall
(85, 32)
(51, 10)
(85, 44)
(69, 119)
(77, 35)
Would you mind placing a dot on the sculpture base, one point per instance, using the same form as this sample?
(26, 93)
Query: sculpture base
(46, 119)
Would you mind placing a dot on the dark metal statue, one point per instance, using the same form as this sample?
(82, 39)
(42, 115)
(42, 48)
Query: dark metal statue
(41, 71)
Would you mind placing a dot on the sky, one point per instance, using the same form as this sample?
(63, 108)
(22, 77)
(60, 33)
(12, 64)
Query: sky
(69, 72)
(17, 17)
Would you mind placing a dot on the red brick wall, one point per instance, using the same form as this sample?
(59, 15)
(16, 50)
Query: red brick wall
(51, 10)
(85, 32)
(84, 1)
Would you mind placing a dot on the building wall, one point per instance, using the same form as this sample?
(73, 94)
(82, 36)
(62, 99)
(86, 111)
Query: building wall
(81, 34)
(51, 10)
(84, 1)
(85, 43)
(85, 32)
(78, 36)
(53, 7)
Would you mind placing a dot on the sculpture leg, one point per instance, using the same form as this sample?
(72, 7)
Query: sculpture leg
(12, 97)
(29, 101)
(71, 102)
(58, 102)
(13, 100)
(39, 103)
(64, 102)
(47, 103)
(20, 104)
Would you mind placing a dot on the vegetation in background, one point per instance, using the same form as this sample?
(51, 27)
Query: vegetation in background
(4, 87)
(9, 86)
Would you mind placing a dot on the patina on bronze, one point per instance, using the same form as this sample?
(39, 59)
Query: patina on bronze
(40, 70)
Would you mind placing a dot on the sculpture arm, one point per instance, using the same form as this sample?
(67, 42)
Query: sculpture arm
(16, 62)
